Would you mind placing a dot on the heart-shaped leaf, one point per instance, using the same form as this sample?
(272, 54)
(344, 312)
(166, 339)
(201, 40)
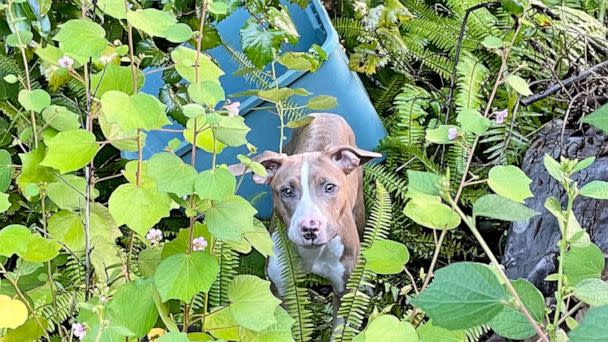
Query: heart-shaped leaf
(229, 218)
(251, 303)
(13, 313)
(215, 184)
(510, 182)
(70, 150)
(140, 208)
(133, 112)
(61, 118)
(35, 100)
(181, 276)
(386, 256)
(81, 38)
(171, 173)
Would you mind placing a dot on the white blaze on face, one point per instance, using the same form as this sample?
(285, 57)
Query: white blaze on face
(306, 208)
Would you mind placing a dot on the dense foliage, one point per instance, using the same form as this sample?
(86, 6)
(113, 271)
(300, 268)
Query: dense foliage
(98, 248)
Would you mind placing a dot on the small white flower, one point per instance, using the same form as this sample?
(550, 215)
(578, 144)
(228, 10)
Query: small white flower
(80, 330)
(452, 133)
(233, 108)
(66, 62)
(360, 7)
(199, 244)
(501, 116)
(154, 236)
(105, 59)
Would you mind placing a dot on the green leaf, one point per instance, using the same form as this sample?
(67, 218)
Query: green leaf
(171, 173)
(454, 301)
(69, 192)
(218, 7)
(251, 303)
(5, 204)
(424, 182)
(519, 85)
(432, 333)
(80, 39)
(215, 184)
(185, 59)
(511, 323)
(510, 182)
(322, 102)
(593, 327)
(260, 45)
(471, 121)
(275, 95)
(387, 328)
(35, 100)
(181, 276)
(512, 6)
(40, 249)
(70, 150)
(178, 33)
(19, 39)
(582, 263)
(67, 228)
(583, 164)
(491, 42)
(206, 93)
(124, 140)
(278, 332)
(31, 170)
(13, 313)
(232, 131)
(553, 167)
(440, 134)
(300, 122)
(14, 239)
(386, 256)
(173, 336)
(204, 139)
(133, 308)
(133, 112)
(280, 19)
(223, 326)
(113, 8)
(260, 239)
(229, 218)
(501, 208)
(431, 214)
(182, 242)
(595, 189)
(598, 119)
(61, 118)
(116, 77)
(140, 208)
(148, 260)
(5, 170)
(152, 21)
(592, 291)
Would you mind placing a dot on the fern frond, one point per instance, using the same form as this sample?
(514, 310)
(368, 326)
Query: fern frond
(471, 75)
(64, 307)
(228, 264)
(374, 173)
(355, 303)
(247, 70)
(295, 298)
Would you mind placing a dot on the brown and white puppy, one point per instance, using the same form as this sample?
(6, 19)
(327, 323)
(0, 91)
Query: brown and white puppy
(317, 193)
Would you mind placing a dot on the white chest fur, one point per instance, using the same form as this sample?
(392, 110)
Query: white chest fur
(325, 261)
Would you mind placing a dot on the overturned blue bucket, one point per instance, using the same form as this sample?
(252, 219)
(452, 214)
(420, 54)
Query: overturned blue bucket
(333, 78)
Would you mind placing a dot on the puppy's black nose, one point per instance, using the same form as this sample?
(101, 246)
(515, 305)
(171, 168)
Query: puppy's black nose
(309, 233)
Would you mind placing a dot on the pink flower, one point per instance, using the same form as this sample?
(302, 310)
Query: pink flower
(66, 62)
(452, 133)
(79, 330)
(154, 236)
(233, 108)
(199, 244)
(501, 115)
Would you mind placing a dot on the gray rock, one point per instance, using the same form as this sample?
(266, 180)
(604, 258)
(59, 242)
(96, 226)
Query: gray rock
(531, 249)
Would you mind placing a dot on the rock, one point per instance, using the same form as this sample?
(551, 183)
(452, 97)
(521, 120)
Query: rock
(531, 249)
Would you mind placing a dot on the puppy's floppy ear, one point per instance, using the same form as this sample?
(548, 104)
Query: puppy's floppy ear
(271, 161)
(348, 158)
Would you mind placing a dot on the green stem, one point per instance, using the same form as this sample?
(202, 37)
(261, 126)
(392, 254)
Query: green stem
(520, 305)
(563, 246)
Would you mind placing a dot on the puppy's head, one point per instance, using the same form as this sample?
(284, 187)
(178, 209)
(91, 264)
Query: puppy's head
(310, 190)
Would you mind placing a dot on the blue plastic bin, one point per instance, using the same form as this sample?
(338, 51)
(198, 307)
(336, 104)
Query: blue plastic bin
(333, 78)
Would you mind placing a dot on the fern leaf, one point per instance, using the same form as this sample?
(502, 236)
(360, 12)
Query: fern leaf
(228, 263)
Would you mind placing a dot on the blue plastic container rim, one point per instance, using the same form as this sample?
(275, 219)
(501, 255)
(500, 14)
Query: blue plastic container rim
(316, 12)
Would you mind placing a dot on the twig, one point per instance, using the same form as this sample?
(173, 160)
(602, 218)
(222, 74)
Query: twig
(567, 82)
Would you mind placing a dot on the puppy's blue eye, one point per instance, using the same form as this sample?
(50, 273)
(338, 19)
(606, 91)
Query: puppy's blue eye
(287, 192)
(329, 188)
